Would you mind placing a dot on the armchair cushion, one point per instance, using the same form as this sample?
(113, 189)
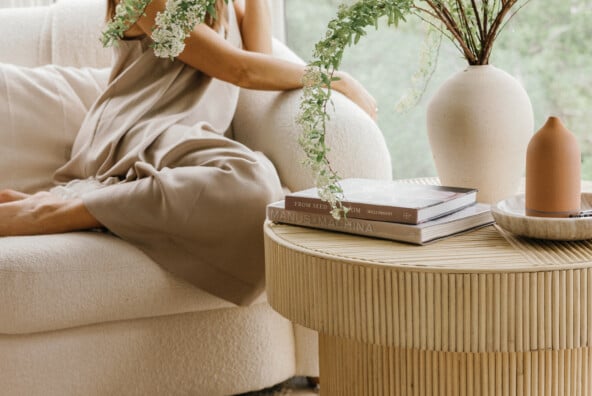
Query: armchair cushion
(68, 280)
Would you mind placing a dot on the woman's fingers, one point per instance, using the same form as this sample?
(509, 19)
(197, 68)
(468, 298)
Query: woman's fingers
(363, 99)
(356, 92)
(11, 196)
(372, 108)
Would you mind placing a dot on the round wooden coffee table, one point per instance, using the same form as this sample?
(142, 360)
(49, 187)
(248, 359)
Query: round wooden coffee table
(485, 313)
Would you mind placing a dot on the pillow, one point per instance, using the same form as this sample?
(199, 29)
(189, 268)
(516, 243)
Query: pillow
(41, 110)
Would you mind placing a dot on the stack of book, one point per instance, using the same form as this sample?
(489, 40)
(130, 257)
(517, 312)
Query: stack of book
(399, 211)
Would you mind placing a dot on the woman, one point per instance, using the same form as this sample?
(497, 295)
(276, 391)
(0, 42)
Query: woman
(151, 164)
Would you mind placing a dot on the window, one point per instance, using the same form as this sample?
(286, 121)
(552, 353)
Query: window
(546, 47)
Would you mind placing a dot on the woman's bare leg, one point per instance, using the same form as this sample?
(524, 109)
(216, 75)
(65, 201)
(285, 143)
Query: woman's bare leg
(42, 213)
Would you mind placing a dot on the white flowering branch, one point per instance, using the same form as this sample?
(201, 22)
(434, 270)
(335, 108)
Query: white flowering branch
(176, 22)
(127, 13)
(173, 25)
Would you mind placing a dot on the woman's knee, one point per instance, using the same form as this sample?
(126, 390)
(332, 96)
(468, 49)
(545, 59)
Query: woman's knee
(267, 183)
(256, 185)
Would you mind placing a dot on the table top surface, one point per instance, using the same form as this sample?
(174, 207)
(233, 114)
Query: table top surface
(486, 250)
(489, 249)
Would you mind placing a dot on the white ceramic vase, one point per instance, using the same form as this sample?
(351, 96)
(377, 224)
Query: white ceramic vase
(479, 124)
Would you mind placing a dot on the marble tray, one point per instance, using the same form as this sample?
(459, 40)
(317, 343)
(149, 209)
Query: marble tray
(509, 214)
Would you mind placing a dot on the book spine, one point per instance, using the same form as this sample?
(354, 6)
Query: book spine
(356, 210)
(384, 230)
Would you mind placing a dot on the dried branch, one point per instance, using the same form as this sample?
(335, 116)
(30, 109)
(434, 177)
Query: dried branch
(445, 31)
(472, 29)
(508, 19)
(481, 28)
(467, 28)
(495, 27)
(444, 15)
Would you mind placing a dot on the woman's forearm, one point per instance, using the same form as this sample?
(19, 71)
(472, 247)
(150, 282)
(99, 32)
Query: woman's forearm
(256, 26)
(265, 72)
(207, 51)
(278, 74)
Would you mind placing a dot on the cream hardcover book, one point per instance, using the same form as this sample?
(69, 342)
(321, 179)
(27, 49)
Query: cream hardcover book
(390, 201)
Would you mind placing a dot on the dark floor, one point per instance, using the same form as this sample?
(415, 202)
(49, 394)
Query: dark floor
(298, 386)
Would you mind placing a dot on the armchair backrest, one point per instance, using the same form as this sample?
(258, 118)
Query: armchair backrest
(65, 33)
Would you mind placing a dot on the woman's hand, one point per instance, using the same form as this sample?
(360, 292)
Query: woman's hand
(42, 213)
(356, 92)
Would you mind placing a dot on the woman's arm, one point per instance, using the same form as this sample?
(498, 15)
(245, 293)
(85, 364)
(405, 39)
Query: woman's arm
(255, 25)
(208, 52)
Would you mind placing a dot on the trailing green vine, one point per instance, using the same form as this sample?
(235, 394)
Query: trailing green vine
(343, 31)
(471, 25)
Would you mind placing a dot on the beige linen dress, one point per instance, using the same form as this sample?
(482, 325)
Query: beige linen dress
(163, 177)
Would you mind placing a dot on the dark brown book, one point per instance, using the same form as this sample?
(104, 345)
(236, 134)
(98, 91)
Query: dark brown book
(389, 201)
(469, 218)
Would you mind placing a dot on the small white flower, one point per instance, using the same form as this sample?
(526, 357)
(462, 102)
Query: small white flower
(173, 25)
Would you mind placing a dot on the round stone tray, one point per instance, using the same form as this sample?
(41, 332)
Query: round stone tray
(509, 214)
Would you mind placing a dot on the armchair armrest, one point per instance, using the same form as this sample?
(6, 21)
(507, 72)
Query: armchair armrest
(266, 122)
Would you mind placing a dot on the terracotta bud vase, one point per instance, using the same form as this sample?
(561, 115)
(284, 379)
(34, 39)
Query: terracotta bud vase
(553, 172)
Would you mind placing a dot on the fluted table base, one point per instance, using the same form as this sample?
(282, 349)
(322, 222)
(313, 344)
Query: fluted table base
(355, 368)
(482, 314)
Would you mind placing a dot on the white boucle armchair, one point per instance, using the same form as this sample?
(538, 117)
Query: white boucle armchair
(86, 313)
